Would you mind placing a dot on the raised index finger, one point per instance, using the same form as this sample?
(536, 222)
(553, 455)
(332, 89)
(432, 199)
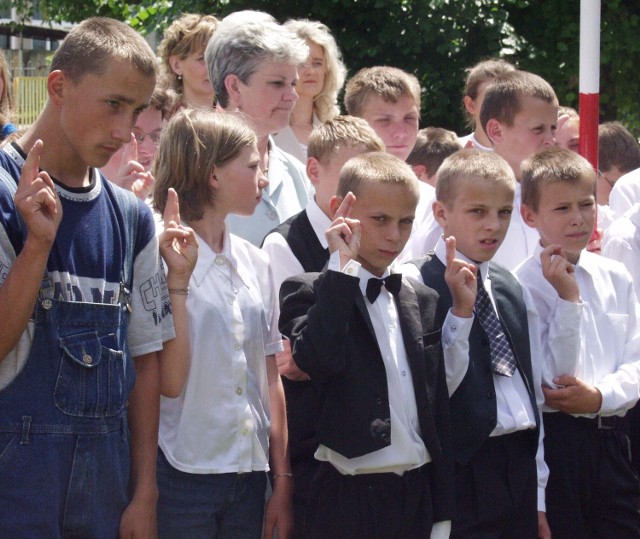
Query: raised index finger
(31, 167)
(450, 244)
(171, 208)
(344, 210)
(130, 152)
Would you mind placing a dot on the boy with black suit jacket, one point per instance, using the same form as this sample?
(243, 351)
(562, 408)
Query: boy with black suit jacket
(374, 351)
(495, 390)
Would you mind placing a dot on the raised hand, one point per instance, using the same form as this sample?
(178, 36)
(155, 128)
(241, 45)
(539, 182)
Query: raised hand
(131, 174)
(37, 200)
(560, 273)
(143, 186)
(178, 244)
(344, 233)
(460, 277)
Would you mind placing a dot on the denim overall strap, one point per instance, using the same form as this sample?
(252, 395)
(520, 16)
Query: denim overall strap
(64, 449)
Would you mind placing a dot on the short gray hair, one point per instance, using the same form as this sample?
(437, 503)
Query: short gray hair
(242, 42)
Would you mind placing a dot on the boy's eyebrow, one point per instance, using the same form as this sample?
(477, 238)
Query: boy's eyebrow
(126, 99)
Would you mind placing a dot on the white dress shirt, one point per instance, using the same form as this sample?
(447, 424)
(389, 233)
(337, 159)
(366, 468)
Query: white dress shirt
(625, 192)
(471, 138)
(609, 353)
(288, 193)
(284, 264)
(220, 422)
(514, 411)
(622, 243)
(521, 239)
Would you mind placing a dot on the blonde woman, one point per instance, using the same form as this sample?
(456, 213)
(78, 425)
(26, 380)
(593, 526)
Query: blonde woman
(184, 72)
(321, 77)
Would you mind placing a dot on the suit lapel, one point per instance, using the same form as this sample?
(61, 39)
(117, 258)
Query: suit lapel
(412, 330)
(365, 315)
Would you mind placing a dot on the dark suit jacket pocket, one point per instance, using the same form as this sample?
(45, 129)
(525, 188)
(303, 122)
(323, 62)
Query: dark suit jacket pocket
(429, 339)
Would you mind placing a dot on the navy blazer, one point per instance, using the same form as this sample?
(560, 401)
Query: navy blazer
(473, 404)
(333, 340)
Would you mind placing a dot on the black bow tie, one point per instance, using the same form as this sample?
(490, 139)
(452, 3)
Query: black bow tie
(391, 283)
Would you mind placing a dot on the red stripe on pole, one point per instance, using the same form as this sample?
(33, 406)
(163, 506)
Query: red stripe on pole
(589, 120)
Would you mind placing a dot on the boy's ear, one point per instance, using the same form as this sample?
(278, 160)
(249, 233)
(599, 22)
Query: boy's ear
(55, 86)
(232, 85)
(528, 215)
(440, 213)
(494, 131)
(334, 204)
(419, 170)
(313, 170)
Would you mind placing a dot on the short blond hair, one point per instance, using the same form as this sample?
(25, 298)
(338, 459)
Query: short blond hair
(469, 165)
(553, 165)
(342, 132)
(389, 83)
(376, 167)
(193, 143)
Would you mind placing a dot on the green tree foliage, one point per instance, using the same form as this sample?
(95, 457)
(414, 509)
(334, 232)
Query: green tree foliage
(434, 39)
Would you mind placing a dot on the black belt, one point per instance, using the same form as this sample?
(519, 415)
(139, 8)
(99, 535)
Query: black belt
(599, 422)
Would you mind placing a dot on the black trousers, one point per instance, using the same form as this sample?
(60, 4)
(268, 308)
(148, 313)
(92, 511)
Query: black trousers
(593, 489)
(370, 506)
(497, 492)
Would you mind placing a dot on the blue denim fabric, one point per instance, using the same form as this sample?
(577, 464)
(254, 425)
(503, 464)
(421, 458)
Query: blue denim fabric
(212, 506)
(64, 452)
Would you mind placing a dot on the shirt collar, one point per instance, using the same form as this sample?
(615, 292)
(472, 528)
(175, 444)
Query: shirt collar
(319, 221)
(586, 261)
(207, 258)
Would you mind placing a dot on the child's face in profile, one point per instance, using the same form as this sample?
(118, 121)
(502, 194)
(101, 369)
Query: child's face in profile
(327, 173)
(565, 217)
(98, 112)
(395, 123)
(239, 183)
(478, 217)
(533, 130)
(386, 213)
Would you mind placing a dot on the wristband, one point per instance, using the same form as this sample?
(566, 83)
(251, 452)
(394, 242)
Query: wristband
(181, 291)
(285, 474)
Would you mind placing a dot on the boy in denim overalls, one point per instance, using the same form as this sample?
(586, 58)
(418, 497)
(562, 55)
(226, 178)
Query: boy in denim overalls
(84, 300)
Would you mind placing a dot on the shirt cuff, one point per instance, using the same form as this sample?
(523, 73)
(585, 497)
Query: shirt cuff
(568, 316)
(542, 505)
(350, 268)
(441, 530)
(455, 329)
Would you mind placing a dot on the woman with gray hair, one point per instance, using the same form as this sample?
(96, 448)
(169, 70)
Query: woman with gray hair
(252, 62)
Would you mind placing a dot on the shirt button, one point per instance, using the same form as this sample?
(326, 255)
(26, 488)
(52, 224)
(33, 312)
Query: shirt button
(236, 346)
(391, 326)
(349, 271)
(404, 373)
(46, 304)
(238, 391)
(87, 359)
(378, 401)
(271, 215)
(452, 327)
(220, 260)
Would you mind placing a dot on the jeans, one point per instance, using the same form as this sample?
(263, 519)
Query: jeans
(198, 506)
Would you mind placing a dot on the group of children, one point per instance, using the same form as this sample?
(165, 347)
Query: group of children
(444, 397)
